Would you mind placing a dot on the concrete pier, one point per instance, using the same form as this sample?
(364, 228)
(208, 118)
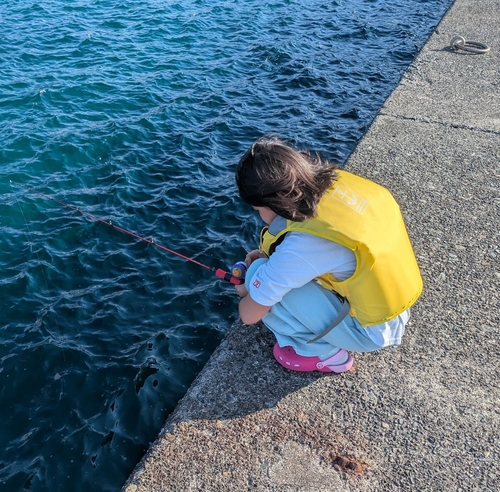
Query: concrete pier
(424, 416)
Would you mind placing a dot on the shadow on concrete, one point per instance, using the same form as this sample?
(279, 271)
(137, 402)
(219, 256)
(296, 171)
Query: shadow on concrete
(249, 379)
(262, 427)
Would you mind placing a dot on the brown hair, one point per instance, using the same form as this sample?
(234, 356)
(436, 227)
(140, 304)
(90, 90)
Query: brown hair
(290, 182)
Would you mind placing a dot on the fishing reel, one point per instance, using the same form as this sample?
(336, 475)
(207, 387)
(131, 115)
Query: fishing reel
(236, 274)
(239, 270)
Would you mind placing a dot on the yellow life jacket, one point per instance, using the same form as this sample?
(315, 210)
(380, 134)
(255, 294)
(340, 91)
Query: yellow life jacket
(364, 217)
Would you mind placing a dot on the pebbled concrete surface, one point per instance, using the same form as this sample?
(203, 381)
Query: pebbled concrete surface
(424, 416)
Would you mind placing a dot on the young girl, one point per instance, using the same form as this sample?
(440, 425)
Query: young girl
(335, 270)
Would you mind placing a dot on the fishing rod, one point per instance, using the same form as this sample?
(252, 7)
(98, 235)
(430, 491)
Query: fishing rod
(236, 276)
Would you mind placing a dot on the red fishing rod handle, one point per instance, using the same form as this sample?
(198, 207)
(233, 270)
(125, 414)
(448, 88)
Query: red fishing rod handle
(228, 277)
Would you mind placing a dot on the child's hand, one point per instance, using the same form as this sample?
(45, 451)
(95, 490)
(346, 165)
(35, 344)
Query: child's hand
(254, 255)
(242, 290)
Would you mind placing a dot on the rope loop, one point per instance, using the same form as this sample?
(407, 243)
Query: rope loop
(460, 43)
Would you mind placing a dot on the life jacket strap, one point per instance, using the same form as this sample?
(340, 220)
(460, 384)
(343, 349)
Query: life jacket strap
(344, 311)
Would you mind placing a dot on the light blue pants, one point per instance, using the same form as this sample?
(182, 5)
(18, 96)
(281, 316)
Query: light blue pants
(305, 312)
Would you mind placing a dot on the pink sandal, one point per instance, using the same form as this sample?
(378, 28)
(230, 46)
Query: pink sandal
(289, 359)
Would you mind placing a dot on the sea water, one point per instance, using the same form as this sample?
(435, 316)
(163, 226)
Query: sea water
(137, 112)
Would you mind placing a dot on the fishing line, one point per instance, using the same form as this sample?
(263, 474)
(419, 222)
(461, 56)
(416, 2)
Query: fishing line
(218, 272)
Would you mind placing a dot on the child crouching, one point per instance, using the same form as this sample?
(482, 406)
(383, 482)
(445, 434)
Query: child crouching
(335, 270)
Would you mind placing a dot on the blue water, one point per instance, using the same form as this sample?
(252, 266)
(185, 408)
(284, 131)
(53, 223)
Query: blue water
(137, 112)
